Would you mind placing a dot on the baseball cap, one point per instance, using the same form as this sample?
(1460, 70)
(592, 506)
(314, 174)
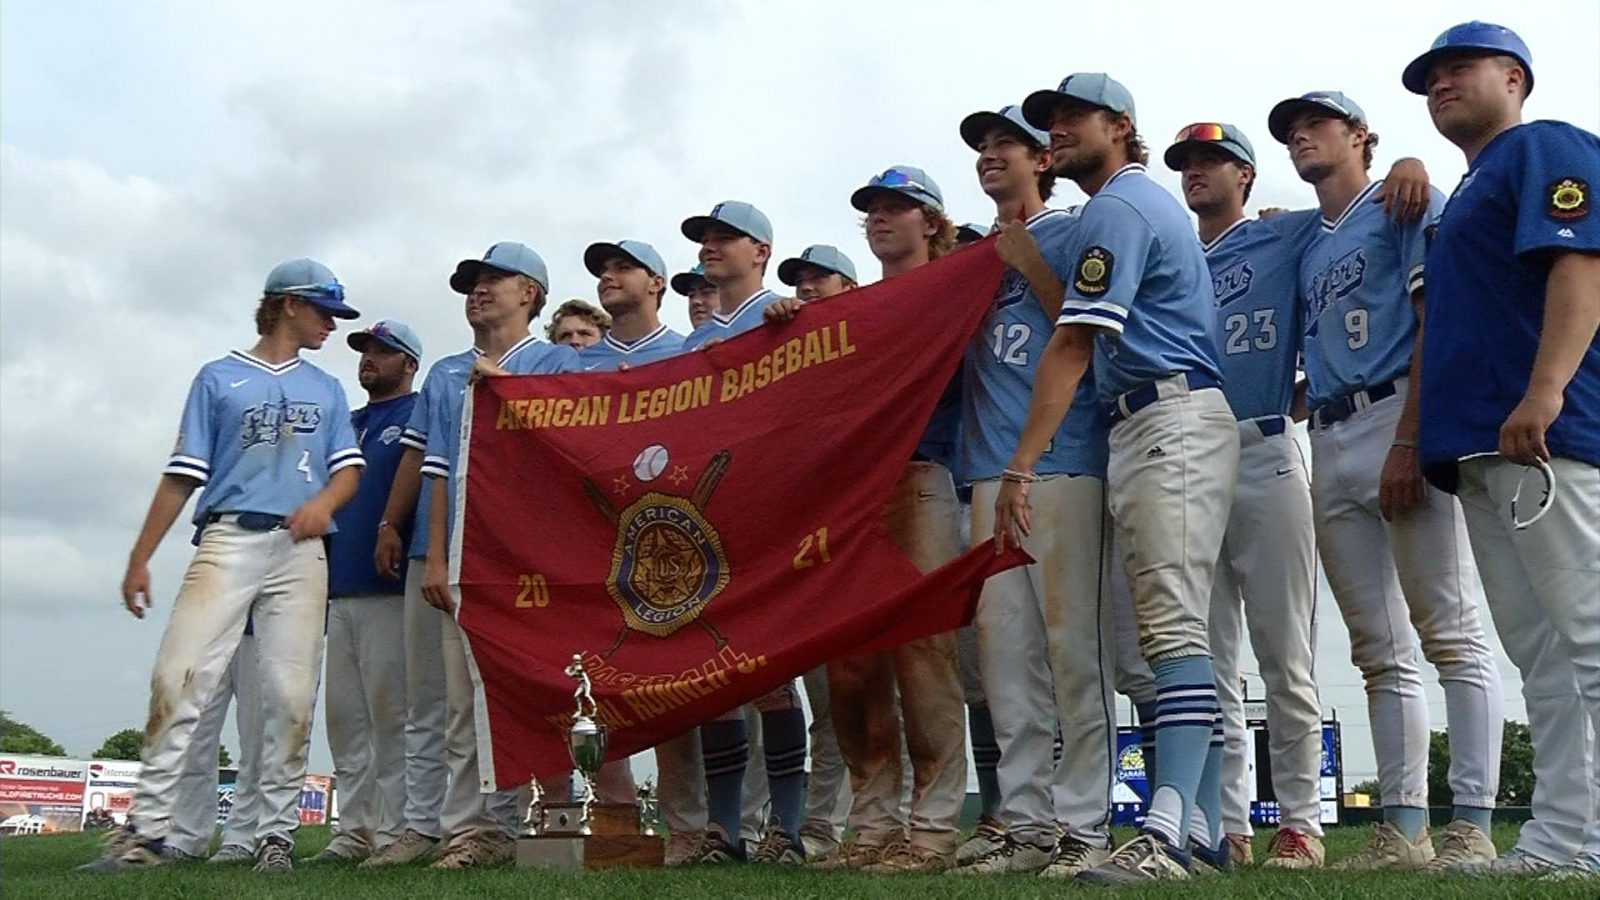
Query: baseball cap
(979, 124)
(597, 255)
(736, 214)
(391, 332)
(310, 280)
(1468, 39)
(506, 256)
(908, 181)
(1216, 134)
(971, 231)
(1326, 102)
(685, 282)
(1092, 88)
(823, 256)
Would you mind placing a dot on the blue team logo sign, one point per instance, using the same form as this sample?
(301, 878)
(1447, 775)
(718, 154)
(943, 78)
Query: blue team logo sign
(1340, 278)
(667, 564)
(1232, 283)
(270, 420)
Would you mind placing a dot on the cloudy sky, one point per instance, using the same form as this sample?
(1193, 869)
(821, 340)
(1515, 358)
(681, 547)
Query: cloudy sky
(156, 159)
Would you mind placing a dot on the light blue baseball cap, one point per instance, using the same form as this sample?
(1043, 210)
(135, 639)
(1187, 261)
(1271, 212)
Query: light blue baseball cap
(390, 332)
(598, 254)
(1085, 88)
(971, 231)
(823, 256)
(507, 256)
(1468, 39)
(735, 214)
(976, 126)
(1216, 134)
(310, 280)
(907, 181)
(1328, 103)
(685, 283)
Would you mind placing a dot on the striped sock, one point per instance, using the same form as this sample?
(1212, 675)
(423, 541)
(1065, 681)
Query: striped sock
(725, 749)
(1147, 743)
(1186, 711)
(783, 732)
(1208, 798)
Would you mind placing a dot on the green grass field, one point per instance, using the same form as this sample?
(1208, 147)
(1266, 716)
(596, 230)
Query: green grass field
(40, 868)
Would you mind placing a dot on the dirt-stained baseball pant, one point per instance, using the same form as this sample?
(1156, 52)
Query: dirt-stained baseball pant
(827, 782)
(469, 812)
(922, 519)
(1046, 635)
(427, 775)
(366, 700)
(1396, 581)
(1542, 584)
(235, 571)
(194, 820)
(1266, 577)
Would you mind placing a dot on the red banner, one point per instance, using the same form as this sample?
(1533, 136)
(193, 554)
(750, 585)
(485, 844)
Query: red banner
(705, 528)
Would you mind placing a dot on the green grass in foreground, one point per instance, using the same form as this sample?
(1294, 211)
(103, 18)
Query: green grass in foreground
(41, 867)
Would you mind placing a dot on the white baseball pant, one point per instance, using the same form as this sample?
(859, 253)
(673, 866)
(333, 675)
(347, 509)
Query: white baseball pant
(1390, 578)
(427, 775)
(366, 697)
(1266, 576)
(470, 811)
(1046, 636)
(194, 821)
(235, 572)
(1543, 586)
(827, 782)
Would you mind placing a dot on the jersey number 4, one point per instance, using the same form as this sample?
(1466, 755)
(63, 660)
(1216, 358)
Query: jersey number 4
(1242, 338)
(1008, 343)
(305, 465)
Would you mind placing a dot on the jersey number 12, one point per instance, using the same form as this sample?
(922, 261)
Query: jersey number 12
(1011, 353)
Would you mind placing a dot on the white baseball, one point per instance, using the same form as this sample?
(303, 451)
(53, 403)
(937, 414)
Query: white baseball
(650, 462)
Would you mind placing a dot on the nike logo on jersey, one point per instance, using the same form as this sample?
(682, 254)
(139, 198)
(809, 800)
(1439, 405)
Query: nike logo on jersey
(234, 384)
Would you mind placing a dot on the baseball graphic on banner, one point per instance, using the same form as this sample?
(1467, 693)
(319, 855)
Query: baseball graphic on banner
(650, 462)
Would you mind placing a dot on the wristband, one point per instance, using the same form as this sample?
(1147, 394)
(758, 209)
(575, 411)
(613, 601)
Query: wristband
(1016, 477)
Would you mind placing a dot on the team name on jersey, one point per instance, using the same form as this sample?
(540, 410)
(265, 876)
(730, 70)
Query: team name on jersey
(1337, 280)
(1232, 283)
(265, 422)
(1013, 289)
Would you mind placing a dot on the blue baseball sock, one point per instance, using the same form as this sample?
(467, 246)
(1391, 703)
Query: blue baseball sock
(725, 748)
(1477, 815)
(985, 758)
(1186, 709)
(1409, 819)
(783, 732)
(1208, 798)
(1147, 745)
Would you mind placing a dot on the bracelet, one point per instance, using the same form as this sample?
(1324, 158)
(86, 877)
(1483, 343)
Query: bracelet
(1016, 477)
(385, 524)
(1408, 443)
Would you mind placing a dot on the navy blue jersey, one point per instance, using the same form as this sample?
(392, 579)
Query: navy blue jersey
(350, 567)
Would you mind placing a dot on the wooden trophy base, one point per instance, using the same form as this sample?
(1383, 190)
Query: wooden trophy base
(614, 843)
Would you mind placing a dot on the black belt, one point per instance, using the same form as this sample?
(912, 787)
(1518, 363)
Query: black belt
(1149, 392)
(1341, 408)
(1271, 427)
(249, 521)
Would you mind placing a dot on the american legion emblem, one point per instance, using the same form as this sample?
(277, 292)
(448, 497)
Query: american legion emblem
(667, 563)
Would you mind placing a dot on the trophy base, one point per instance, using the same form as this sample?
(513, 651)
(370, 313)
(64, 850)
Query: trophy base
(574, 853)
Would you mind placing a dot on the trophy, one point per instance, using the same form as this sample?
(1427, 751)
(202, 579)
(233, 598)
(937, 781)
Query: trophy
(584, 833)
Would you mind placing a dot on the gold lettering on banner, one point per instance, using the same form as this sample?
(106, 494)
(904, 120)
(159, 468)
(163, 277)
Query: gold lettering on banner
(645, 697)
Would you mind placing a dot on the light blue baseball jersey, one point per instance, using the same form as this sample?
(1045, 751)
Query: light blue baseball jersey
(1140, 276)
(528, 356)
(446, 379)
(746, 317)
(1255, 275)
(610, 353)
(1357, 277)
(262, 438)
(999, 368)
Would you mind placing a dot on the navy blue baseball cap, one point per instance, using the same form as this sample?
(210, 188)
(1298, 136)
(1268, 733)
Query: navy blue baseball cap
(1326, 102)
(1468, 39)
(506, 256)
(1216, 134)
(735, 214)
(971, 231)
(310, 280)
(907, 181)
(1084, 88)
(976, 126)
(642, 254)
(390, 332)
(823, 256)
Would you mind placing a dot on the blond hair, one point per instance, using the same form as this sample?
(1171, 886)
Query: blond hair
(583, 309)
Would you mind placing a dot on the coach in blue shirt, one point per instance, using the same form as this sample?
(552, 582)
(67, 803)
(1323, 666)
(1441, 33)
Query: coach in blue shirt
(366, 673)
(1510, 380)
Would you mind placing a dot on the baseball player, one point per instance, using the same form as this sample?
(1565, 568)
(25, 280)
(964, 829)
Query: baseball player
(819, 272)
(1267, 567)
(632, 282)
(1045, 631)
(268, 436)
(702, 294)
(366, 665)
(578, 324)
(970, 233)
(1511, 379)
(1395, 551)
(505, 292)
(735, 242)
(1139, 302)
